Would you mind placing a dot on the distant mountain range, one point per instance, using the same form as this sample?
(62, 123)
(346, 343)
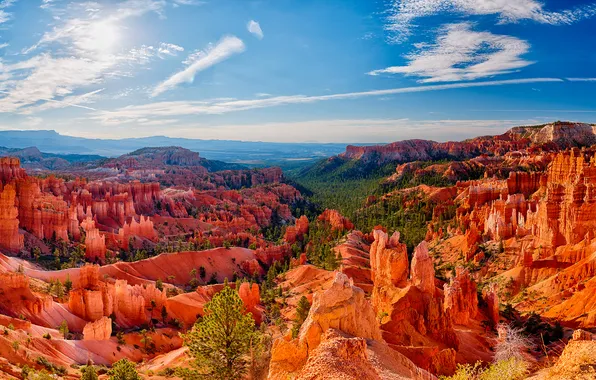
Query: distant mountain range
(244, 152)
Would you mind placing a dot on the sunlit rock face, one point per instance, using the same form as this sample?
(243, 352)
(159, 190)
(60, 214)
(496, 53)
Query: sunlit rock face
(461, 298)
(342, 307)
(10, 238)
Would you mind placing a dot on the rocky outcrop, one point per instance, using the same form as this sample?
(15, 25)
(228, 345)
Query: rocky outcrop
(10, 169)
(10, 238)
(95, 242)
(491, 297)
(423, 269)
(582, 335)
(342, 307)
(98, 330)
(251, 297)
(93, 299)
(461, 298)
(556, 136)
(412, 312)
(568, 210)
(336, 220)
(388, 260)
(296, 232)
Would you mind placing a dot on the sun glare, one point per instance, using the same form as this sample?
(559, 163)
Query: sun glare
(104, 36)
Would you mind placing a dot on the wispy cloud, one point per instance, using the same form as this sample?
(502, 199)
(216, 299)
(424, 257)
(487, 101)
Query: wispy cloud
(255, 28)
(184, 108)
(146, 53)
(581, 79)
(88, 35)
(463, 54)
(202, 60)
(5, 16)
(402, 13)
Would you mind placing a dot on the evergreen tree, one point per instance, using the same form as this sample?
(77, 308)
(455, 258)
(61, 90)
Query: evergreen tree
(301, 313)
(68, 284)
(123, 369)
(63, 328)
(88, 372)
(164, 314)
(221, 341)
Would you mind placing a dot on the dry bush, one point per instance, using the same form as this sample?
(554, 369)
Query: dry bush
(511, 343)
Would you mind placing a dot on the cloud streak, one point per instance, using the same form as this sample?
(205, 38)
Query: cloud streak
(214, 54)
(461, 54)
(402, 13)
(186, 108)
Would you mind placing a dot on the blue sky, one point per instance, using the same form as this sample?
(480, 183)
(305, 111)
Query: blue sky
(309, 70)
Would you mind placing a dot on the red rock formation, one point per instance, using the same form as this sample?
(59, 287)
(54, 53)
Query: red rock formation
(93, 299)
(554, 136)
(95, 243)
(10, 239)
(336, 220)
(10, 169)
(423, 269)
(342, 307)
(461, 298)
(582, 335)
(388, 260)
(251, 297)
(491, 298)
(413, 312)
(296, 232)
(98, 330)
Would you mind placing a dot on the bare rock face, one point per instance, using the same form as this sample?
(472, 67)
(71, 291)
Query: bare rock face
(491, 296)
(567, 212)
(336, 220)
(296, 232)
(342, 307)
(582, 335)
(10, 169)
(412, 313)
(251, 297)
(10, 239)
(423, 269)
(92, 299)
(461, 299)
(98, 330)
(388, 260)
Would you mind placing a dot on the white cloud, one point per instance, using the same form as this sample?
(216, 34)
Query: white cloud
(145, 54)
(216, 106)
(255, 28)
(187, 2)
(463, 54)
(202, 60)
(89, 35)
(402, 13)
(581, 79)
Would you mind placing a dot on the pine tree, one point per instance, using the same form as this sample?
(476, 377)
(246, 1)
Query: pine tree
(68, 284)
(221, 341)
(88, 372)
(164, 315)
(63, 328)
(301, 313)
(123, 369)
